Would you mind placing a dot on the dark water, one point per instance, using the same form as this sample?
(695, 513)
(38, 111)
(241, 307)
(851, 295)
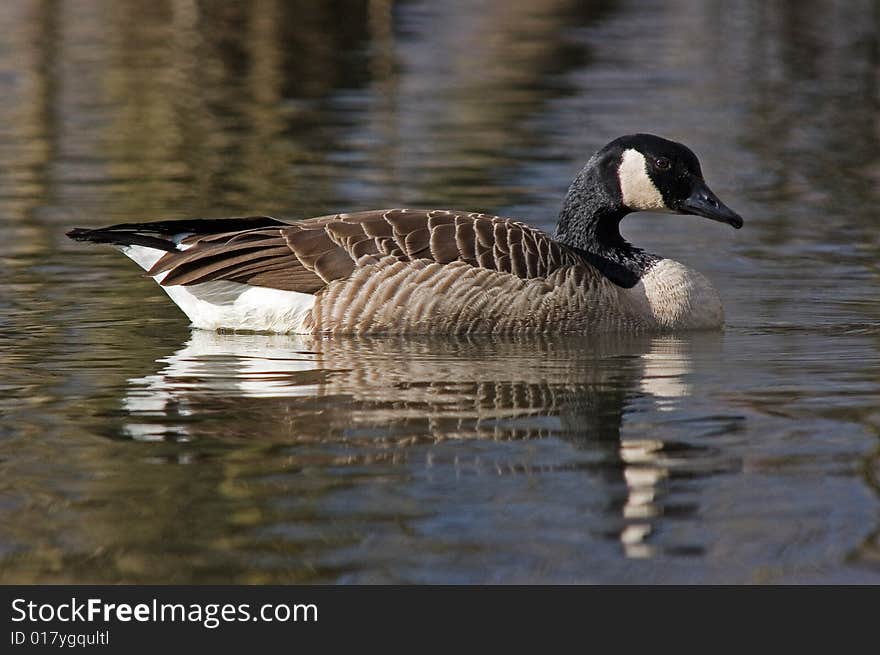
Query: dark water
(133, 449)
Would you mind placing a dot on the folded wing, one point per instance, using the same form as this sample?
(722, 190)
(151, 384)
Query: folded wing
(306, 256)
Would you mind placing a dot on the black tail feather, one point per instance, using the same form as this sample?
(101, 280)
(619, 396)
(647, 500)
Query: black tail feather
(158, 233)
(122, 238)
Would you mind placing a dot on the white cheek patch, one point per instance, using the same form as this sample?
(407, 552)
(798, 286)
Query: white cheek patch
(637, 190)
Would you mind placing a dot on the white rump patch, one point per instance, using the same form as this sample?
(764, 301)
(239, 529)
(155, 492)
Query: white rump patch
(142, 256)
(231, 305)
(636, 188)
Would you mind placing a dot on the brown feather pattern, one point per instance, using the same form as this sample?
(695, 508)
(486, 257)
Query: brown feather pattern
(330, 247)
(406, 271)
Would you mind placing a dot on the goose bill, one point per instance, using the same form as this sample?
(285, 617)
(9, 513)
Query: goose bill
(702, 202)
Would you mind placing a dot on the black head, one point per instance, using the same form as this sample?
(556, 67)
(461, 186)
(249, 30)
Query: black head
(655, 174)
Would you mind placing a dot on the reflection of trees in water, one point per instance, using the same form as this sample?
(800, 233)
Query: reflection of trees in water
(289, 107)
(299, 107)
(813, 98)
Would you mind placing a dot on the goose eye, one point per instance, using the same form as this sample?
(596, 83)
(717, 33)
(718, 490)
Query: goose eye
(663, 164)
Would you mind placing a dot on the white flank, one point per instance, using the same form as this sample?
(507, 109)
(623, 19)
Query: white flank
(231, 305)
(637, 190)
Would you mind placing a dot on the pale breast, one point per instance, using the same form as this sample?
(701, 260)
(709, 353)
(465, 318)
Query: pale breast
(674, 296)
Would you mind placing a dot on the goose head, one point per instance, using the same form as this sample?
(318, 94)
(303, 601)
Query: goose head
(633, 173)
(651, 173)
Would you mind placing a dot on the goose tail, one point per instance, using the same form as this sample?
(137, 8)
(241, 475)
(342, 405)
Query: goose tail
(215, 304)
(165, 235)
(145, 243)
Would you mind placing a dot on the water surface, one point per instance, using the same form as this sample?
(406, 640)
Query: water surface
(133, 449)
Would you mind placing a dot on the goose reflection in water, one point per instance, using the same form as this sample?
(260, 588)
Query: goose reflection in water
(375, 395)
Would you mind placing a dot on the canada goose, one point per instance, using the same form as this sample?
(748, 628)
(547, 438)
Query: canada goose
(438, 271)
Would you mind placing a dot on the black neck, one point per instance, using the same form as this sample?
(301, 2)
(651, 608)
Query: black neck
(589, 223)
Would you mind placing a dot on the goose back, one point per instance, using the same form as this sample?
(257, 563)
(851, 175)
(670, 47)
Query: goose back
(308, 255)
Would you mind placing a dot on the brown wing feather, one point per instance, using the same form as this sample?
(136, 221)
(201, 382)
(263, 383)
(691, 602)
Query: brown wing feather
(444, 248)
(307, 255)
